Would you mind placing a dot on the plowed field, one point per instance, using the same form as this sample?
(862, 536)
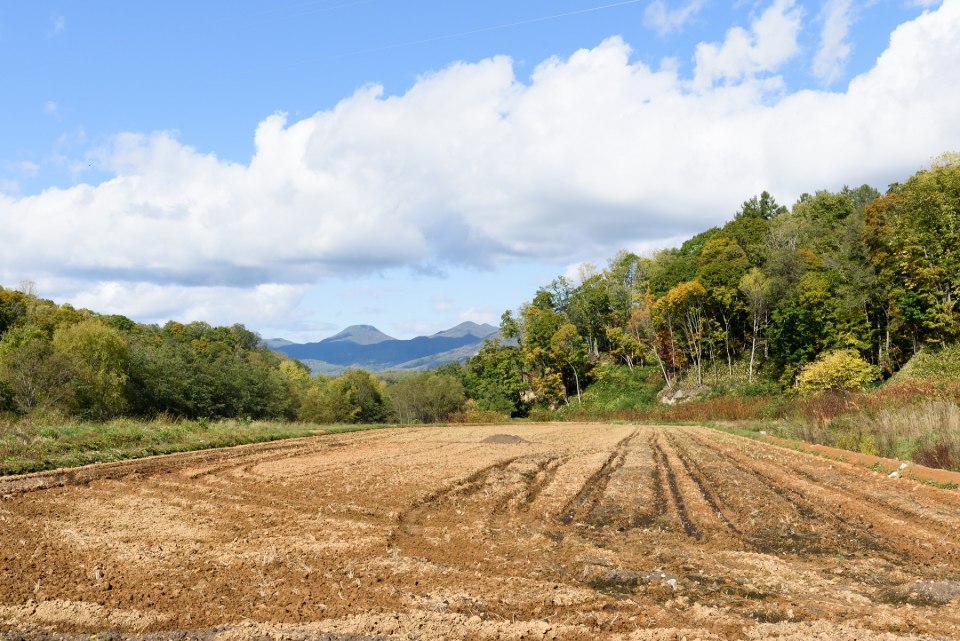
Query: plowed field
(589, 531)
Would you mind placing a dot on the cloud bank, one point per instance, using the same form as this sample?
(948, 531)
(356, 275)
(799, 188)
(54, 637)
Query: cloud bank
(473, 166)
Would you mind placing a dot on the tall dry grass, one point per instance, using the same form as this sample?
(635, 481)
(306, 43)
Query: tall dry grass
(926, 432)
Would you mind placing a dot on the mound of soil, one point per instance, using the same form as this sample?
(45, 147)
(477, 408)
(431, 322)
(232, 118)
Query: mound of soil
(504, 439)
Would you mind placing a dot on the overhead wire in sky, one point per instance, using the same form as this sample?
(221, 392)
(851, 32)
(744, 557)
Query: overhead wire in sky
(410, 43)
(142, 45)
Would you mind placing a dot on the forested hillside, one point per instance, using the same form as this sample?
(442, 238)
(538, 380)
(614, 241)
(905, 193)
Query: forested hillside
(57, 359)
(836, 292)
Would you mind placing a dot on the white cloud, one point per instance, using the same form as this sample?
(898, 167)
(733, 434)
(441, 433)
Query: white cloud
(770, 42)
(665, 21)
(417, 328)
(442, 304)
(265, 305)
(24, 168)
(473, 167)
(9, 186)
(834, 50)
(481, 315)
(50, 107)
(58, 25)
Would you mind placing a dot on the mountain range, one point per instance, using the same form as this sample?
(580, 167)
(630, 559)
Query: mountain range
(367, 347)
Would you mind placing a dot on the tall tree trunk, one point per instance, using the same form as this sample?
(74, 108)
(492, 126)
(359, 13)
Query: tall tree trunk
(577, 379)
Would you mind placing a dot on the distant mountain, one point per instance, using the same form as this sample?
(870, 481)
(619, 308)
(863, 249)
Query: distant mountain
(367, 347)
(360, 334)
(275, 343)
(468, 328)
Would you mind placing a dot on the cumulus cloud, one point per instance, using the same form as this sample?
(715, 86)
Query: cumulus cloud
(474, 167)
(770, 42)
(834, 50)
(665, 21)
(265, 305)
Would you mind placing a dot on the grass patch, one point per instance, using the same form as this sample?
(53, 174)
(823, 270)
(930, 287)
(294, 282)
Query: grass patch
(32, 447)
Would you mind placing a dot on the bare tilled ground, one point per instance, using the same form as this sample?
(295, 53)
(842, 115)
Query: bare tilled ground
(588, 531)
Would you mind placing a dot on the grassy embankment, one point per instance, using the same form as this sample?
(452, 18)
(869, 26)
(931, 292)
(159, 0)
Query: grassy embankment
(31, 447)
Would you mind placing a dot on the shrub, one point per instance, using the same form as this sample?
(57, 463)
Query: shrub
(840, 370)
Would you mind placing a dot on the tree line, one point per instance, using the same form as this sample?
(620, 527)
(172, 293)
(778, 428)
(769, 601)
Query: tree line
(58, 361)
(865, 278)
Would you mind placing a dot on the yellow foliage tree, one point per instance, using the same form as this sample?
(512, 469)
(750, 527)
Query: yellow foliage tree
(841, 370)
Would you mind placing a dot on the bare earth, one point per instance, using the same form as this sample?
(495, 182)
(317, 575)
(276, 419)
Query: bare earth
(586, 532)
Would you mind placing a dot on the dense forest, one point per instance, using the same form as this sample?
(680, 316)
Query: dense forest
(837, 292)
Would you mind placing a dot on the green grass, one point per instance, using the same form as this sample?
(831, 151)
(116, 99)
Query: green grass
(30, 447)
(616, 387)
(932, 364)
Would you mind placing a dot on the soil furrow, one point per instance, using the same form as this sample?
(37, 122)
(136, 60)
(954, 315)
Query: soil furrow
(698, 477)
(870, 532)
(688, 525)
(592, 492)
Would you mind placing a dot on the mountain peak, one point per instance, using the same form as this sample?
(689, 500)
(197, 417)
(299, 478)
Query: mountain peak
(275, 343)
(359, 334)
(468, 328)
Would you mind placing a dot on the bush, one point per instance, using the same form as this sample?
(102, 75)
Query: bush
(841, 370)
(33, 374)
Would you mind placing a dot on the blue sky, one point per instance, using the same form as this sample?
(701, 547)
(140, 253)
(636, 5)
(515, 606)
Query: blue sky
(303, 166)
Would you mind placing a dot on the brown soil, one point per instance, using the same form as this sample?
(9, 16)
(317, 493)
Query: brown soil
(909, 470)
(504, 439)
(590, 531)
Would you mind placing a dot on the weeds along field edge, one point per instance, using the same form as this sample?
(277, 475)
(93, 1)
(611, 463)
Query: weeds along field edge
(27, 446)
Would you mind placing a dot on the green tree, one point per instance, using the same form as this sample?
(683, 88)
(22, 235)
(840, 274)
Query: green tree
(567, 347)
(426, 397)
(925, 231)
(686, 303)
(100, 355)
(721, 265)
(495, 378)
(756, 289)
(37, 376)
